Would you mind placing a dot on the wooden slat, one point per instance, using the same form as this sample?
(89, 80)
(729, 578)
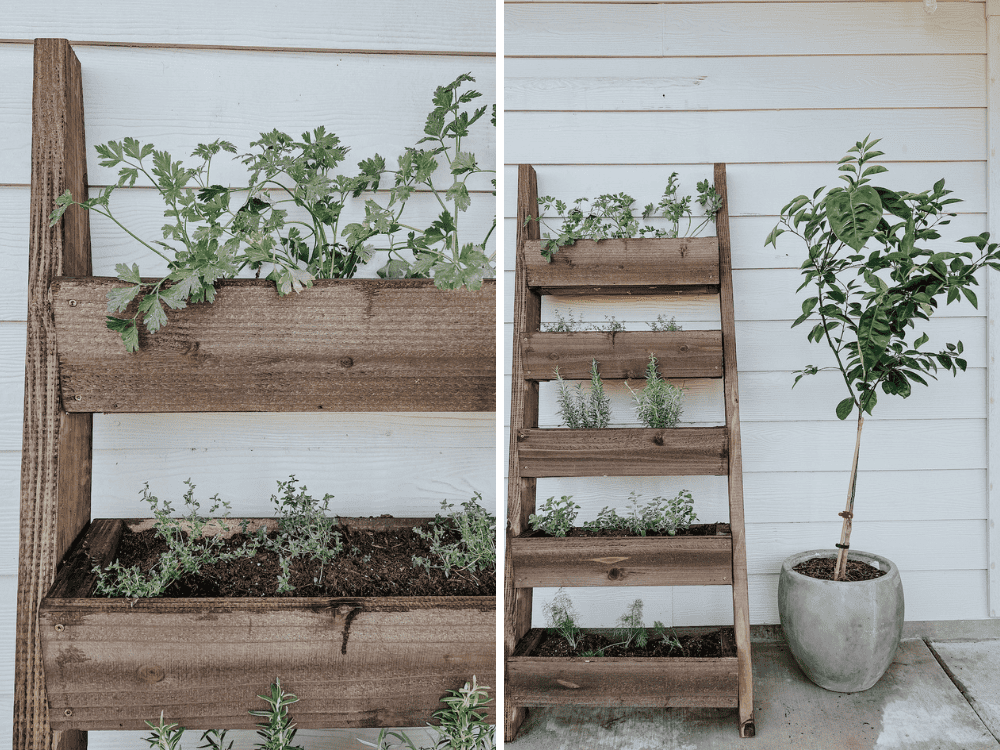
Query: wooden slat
(632, 266)
(621, 681)
(627, 452)
(741, 606)
(55, 463)
(625, 354)
(622, 561)
(113, 664)
(523, 414)
(342, 345)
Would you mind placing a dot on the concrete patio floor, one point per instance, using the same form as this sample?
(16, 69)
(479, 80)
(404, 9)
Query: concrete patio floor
(941, 691)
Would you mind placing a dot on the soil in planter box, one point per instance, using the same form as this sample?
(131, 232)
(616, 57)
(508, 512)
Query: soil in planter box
(823, 568)
(716, 643)
(695, 529)
(372, 563)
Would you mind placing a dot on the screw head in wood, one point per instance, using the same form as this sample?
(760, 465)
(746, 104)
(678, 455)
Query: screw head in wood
(73, 303)
(78, 398)
(60, 627)
(68, 712)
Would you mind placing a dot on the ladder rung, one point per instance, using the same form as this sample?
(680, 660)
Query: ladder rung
(622, 561)
(621, 681)
(679, 354)
(636, 266)
(623, 452)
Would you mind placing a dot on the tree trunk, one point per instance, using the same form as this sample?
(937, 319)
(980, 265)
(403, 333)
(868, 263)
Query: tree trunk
(848, 513)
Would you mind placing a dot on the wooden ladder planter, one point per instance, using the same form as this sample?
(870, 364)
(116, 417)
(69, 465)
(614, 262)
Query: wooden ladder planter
(701, 265)
(344, 345)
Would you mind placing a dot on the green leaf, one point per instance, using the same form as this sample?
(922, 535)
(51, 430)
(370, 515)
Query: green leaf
(854, 214)
(130, 275)
(844, 408)
(119, 299)
(127, 330)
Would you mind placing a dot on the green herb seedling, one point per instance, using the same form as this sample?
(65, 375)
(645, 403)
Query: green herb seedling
(584, 411)
(555, 517)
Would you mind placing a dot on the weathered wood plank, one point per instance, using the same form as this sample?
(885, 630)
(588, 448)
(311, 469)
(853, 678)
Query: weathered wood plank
(625, 354)
(55, 465)
(352, 662)
(524, 414)
(631, 451)
(622, 561)
(630, 266)
(343, 345)
(741, 606)
(621, 681)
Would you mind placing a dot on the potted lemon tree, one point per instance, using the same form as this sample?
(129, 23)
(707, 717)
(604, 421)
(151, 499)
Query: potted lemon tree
(874, 279)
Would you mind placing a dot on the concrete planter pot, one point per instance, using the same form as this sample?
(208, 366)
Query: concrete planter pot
(843, 634)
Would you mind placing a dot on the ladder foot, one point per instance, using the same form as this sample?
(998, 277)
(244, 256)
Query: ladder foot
(748, 729)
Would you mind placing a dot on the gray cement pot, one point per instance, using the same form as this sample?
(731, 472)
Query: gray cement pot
(843, 634)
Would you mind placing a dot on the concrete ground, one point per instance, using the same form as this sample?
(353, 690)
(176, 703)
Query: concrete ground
(941, 691)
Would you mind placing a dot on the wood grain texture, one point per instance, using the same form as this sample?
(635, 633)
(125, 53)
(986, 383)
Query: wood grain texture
(741, 29)
(55, 465)
(440, 25)
(622, 681)
(635, 451)
(622, 561)
(628, 266)
(524, 414)
(624, 354)
(365, 661)
(741, 606)
(343, 345)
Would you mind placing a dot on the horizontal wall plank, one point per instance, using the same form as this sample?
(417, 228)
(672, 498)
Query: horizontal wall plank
(177, 99)
(623, 452)
(774, 82)
(754, 189)
(611, 681)
(386, 24)
(622, 561)
(745, 136)
(710, 29)
(348, 345)
(685, 354)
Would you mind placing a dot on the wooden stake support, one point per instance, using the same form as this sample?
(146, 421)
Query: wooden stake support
(700, 265)
(345, 345)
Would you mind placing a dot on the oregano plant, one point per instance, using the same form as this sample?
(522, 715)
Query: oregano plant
(874, 278)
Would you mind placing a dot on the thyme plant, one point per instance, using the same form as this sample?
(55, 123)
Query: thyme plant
(473, 550)
(873, 277)
(660, 515)
(659, 403)
(555, 517)
(613, 215)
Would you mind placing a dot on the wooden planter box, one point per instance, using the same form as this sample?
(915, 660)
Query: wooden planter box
(341, 345)
(623, 561)
(655, 682)
(353, 662)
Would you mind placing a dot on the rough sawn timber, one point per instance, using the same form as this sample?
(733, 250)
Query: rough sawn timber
(623, 354)
(341, 345)
(353, 662)
(686, 265)
(622, 561)
(623, 452)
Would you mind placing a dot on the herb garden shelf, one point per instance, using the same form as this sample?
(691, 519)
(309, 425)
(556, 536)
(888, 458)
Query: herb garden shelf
(343, 345)
(700, 265)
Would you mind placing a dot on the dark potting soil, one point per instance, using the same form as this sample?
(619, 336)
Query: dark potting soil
(372, 563)
(695, 529)
(823, 568)
(716, 643)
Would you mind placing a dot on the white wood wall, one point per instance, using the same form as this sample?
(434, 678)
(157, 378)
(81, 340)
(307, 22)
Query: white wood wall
(177, 74)
(610, 97)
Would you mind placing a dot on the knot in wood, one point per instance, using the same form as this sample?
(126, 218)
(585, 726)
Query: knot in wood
(684, 347)
(553, 356)
(150, 673)
(614, 574)
(346, 362)
(658, 439)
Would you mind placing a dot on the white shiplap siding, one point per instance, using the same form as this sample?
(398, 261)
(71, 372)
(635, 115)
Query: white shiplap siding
(224, 70)
(609, 97)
